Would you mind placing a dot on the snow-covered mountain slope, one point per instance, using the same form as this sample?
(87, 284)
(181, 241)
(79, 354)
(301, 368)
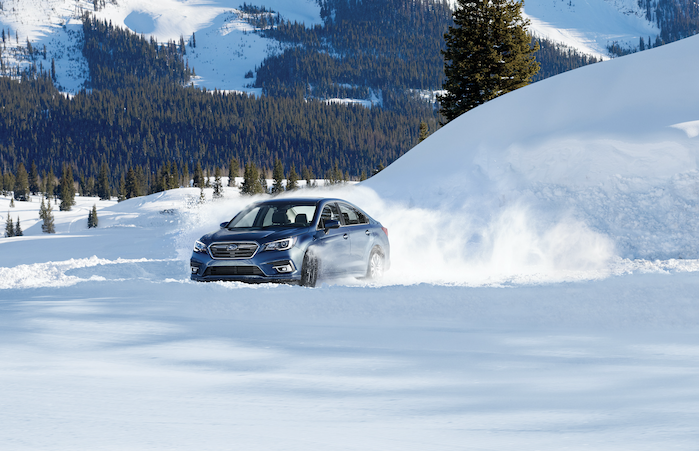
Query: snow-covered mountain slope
(227, 50)
(601, 144)
(590, 26)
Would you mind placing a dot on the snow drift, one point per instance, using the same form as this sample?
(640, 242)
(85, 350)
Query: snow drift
(612, 146)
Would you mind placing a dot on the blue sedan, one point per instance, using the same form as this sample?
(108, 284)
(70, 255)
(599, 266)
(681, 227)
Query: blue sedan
(293, 241)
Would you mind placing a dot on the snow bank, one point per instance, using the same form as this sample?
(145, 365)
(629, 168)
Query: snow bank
(611, 147)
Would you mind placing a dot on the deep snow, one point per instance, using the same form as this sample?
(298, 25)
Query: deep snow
(106, 345)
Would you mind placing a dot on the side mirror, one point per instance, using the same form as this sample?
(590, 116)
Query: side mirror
(331, 224)
(224, 224)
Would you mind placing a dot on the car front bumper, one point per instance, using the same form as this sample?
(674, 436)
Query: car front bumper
(268, 266)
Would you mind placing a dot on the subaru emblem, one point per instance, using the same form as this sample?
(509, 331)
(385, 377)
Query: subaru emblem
(232, 247)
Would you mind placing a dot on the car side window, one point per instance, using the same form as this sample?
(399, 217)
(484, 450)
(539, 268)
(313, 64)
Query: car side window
(352, 216)
(330, 212)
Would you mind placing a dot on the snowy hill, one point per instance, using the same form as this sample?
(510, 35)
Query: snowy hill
(227, 49)
(596, 144)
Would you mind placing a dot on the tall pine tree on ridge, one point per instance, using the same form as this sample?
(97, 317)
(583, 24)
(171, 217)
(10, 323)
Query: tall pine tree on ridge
(488, 54)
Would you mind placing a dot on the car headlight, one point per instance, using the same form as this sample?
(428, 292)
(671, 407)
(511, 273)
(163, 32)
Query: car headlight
(280, 245)
(200, 247)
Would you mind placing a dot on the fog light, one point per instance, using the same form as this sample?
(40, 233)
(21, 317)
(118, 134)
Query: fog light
(195, 269)
(283, 268)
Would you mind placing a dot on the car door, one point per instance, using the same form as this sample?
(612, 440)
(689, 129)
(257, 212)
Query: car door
(357, 225)
(332, 247)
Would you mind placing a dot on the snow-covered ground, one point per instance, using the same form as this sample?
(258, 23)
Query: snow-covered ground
(105, 344)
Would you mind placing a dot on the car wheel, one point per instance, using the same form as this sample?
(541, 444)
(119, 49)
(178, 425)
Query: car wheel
(309, 270)
(375, 266)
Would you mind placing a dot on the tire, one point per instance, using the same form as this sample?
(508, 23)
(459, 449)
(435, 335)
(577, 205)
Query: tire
(375, 265)
(309, 270)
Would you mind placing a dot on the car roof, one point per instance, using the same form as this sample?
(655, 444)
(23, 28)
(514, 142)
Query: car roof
(291, 200)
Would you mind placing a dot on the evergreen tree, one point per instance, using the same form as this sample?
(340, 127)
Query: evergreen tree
(488, 54)
(132, 186)
(21, 187)
(92, 220)
(9, 227)
(18, 228)
(263, 182)
(424, 132)
(233, 169)
(293, 182)
(46, 215)
(218, 185)
(121, 195)
(34, 184)
(67, 189)
(12, 202)
(8, 182)
(251, 180)
(307, 174)
(103, 190)
(198, 179)
(278, 177)
(185, 176)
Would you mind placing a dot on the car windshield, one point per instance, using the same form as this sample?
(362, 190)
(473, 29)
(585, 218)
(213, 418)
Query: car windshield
(263, 216)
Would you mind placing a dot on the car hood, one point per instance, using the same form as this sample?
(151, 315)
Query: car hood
(260, 236)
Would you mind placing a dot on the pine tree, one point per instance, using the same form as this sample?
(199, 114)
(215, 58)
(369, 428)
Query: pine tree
(67, 189)
(103, 190)
(218, 185)
(9, 227)
(233, 169)
(18, 228)
(185, 176)
(488, 54)
(12, 202)
(278, 177)
(198, 176)
(132, 186)
(263, 182)
(293, 182)
(34, 184)
(21, 187)
(251, 180)
(424, 132)
(92, 220)
(307, 174)
(46, 215)
(121, 195)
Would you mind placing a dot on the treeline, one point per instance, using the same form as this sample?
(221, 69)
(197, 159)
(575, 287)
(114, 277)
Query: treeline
(556, 58)
(129, 122)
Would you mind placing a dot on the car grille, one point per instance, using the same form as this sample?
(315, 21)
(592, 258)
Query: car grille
(242, 250)
(233, 271)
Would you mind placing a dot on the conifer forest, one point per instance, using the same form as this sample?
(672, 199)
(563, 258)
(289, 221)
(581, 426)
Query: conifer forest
(141, 113)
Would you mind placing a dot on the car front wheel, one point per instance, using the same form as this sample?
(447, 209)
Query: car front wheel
(375, 267)
(309, 270)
